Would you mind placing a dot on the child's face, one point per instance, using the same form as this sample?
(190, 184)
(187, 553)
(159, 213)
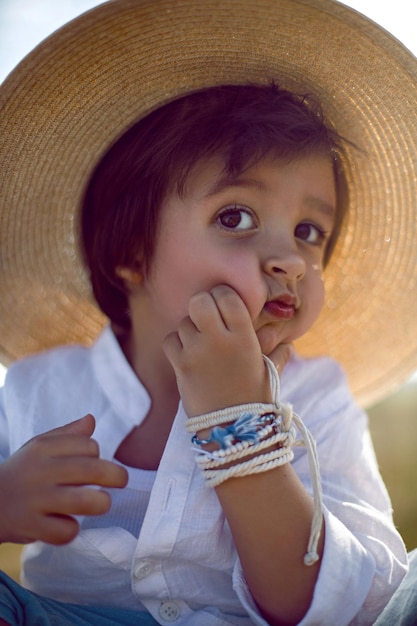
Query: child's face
(263, 234)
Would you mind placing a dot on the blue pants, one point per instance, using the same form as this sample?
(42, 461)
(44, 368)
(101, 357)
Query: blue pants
(19, 606)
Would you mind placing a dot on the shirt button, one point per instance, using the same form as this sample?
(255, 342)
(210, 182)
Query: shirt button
(169, 611)
(142, 569)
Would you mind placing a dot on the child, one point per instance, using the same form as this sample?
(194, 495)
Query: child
(205, 228)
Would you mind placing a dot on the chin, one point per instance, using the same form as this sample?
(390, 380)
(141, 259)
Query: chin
(271, 337)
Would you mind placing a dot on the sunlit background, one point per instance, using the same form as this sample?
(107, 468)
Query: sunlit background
(24, 23)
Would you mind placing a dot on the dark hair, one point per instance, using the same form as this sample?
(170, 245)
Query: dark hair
(239, 123)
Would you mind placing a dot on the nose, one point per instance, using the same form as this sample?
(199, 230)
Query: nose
(285, 260)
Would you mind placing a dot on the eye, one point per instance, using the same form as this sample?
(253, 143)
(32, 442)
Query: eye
(236, 218)
(310, 233)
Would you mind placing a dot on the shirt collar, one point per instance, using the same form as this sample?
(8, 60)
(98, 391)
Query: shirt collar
(120, 384)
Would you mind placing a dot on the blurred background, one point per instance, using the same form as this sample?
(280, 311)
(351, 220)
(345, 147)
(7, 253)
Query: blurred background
(393, 422)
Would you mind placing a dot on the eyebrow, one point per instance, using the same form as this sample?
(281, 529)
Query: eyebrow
(226, 182)
(324, 207)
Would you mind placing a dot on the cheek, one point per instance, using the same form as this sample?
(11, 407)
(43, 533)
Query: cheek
(181, 272)
(316, 297)
(206, 269)
(177, 277)
(245, 279)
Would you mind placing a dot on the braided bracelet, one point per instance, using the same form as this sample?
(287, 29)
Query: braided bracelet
(247, 428)
(256, 465)
(223, 416)
(218, 458)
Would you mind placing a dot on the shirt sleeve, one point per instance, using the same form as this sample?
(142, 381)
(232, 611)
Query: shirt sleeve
(364, 557)
(4, 430)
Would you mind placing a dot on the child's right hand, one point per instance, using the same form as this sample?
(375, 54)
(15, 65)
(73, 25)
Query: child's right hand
(43, 485)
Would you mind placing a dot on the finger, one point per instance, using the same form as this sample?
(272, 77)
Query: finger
(183, 338)
(231, 307)
(77, 501)
(87, 471)
(204, 313)
(83, 426)
(280, 355)
(172, 347)
(56, 529)
(51, 445)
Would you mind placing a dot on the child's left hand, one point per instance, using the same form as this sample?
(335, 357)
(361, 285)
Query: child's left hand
(216, 354)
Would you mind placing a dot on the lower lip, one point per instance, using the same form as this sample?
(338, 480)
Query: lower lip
(280, 310)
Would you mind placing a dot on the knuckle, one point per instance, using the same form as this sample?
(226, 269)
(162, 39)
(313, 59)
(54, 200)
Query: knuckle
(95, 501)
(199, 303)
(87, 501)
(229, 297)
(68, 532)
(122, 477)
(90, 468)
(101, 472)
(93, 447)
(199, 298)
(103, 503)
(35, 446)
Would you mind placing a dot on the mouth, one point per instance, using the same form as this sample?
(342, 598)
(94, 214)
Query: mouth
(282, 308)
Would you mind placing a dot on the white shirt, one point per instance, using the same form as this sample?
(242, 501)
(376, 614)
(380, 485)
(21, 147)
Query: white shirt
(183, 568)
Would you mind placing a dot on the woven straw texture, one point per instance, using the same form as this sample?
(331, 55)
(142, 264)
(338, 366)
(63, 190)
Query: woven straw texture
(82, 87)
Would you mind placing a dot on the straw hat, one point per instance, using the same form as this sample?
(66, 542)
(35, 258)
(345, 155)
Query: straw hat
(74, 94)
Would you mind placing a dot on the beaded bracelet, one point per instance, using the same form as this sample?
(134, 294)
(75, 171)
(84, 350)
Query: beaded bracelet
(218, 458)
(247, 428)
(229, 414)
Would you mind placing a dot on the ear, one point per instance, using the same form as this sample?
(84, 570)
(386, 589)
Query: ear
(131, 277)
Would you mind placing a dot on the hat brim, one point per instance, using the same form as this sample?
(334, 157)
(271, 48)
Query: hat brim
(81, 88)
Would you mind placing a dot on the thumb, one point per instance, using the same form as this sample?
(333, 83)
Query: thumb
(280, 355)
(83, 426)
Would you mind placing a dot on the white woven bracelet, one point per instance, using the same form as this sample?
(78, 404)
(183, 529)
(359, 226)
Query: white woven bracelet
(223, 416)
(217, 458)
(263, 463)
(241, 469)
